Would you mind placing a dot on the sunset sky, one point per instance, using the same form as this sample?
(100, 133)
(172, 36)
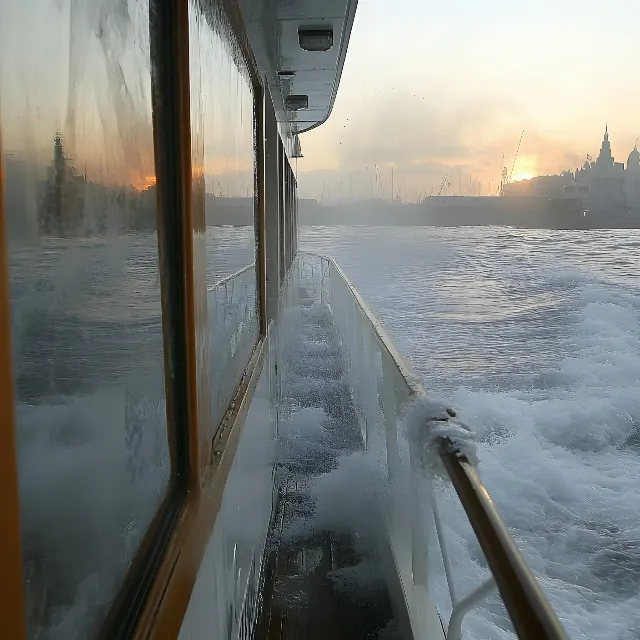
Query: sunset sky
(448, 87)
(432, 89)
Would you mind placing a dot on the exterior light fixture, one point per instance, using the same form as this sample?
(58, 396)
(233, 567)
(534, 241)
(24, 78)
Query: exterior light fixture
(294, 103)
(317, 39)
(286, 75)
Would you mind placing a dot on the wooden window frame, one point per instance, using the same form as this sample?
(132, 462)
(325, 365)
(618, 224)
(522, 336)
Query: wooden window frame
(12, 602)
(164, 609)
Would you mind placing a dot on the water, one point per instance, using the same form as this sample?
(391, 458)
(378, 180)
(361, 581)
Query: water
(534, 336)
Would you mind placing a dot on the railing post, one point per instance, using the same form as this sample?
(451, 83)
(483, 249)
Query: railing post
(421, 501)
(446, 560)
(389, 408)
(367, 398)
(356, 381)
(529, 610)
(454, 629)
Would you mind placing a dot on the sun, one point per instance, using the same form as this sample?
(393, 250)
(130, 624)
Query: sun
(526, 167)
(522, 175)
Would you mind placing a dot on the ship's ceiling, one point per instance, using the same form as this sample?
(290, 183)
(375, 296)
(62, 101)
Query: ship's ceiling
(272, 27)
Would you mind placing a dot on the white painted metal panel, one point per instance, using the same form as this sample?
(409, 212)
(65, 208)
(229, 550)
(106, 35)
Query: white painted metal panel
(272, 27)
(224, 599)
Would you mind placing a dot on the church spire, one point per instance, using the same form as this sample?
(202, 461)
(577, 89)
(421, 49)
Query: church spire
(605, 158)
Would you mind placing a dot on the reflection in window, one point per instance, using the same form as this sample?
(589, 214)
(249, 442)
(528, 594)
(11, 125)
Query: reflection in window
(222, 127)
(85, 301)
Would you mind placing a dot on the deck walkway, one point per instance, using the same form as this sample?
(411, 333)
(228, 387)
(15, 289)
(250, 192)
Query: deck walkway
(302, 599)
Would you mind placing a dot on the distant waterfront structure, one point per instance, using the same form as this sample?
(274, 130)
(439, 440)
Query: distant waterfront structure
(61, 210)
(602, 185)
(610, 183)
(72, 205)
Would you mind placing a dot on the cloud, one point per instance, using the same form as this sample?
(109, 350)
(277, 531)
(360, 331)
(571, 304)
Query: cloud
(404, 130)
(425, 140)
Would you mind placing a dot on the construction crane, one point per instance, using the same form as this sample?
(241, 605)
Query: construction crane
(513, 166)
(505, 178)
(445, 183)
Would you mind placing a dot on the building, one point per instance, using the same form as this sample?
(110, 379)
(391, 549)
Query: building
(610, 186)
(602, 185)
(632, 178)
(61, 210)
(70, 205)
(541, 186)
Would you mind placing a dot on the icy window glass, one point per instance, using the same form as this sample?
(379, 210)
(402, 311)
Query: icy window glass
(77, 151)
(222, 142)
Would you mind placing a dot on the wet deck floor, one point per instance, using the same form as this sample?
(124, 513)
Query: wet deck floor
(302, 599)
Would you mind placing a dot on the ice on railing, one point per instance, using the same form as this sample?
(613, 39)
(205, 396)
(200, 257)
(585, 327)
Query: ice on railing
(233, 333)
(431, 424)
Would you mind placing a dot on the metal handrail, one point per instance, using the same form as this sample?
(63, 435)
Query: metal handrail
(230, 277)
(530, 612)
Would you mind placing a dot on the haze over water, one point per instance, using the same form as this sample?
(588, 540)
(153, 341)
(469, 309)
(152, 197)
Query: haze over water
(535, 337)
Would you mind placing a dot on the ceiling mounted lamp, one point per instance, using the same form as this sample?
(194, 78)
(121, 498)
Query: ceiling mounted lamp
(297, 148)
(316, 39)
(295, 103)
(286, 75)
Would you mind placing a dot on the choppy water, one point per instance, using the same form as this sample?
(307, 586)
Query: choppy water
(535, 336)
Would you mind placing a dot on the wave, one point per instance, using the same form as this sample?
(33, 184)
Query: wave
(553, 390)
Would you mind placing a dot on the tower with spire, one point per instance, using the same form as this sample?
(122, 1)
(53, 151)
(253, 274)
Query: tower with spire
(605, 178)
(605, 159)
(60, 209)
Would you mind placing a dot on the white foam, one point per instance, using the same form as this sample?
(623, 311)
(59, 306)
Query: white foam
(88, 491)
(560, 468)
(304, 439)
(559, 442)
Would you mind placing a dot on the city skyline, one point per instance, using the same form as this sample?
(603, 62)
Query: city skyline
(377, 181)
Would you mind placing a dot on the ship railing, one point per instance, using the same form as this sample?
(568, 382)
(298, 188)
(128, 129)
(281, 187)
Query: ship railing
(233, 332)
(383, 385)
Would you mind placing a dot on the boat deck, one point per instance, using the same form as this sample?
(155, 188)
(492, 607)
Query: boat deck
(304, 597)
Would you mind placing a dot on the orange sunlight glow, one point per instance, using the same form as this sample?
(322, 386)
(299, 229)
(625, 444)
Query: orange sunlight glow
(145, 183)
(526, 167)
(522, 175)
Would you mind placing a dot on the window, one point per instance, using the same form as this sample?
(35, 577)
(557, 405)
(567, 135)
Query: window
(87, 340)
(282, 209)
(289, 230)
(223, 161)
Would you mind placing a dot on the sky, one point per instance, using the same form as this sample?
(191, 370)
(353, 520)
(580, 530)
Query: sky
(437, 92)
(441, 90)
